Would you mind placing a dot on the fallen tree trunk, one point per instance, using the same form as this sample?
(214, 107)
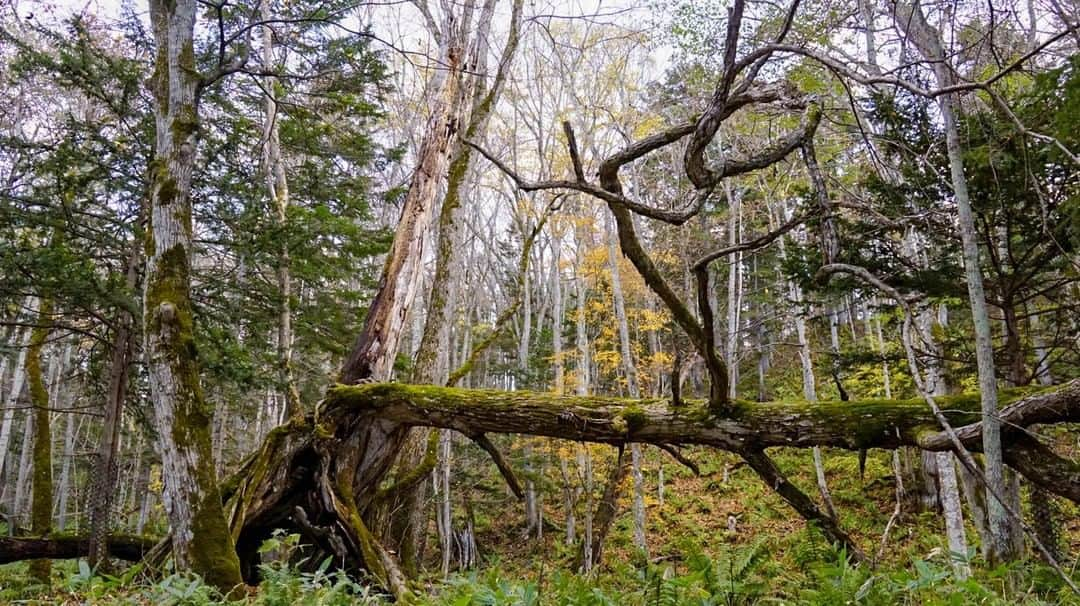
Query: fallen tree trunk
(853, 425)
(15, 549)
(318, 476)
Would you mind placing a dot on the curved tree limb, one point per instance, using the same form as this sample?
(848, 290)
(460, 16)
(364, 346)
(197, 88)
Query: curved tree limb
(504, 467)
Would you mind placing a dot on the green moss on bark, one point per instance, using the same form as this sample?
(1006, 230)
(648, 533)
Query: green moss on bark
(416, 474)
(42, 487)
(868, 423)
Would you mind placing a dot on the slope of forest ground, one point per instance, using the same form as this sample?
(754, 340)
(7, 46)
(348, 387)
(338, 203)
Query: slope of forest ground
(720, 537)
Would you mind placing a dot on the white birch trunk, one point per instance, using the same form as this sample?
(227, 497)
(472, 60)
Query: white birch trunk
(734, 302)
(64, 488)
(20, 504)
(443, 476)
(11, 399)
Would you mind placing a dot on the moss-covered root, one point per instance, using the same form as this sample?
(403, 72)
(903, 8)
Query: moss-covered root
(410, 478)
(376, 559)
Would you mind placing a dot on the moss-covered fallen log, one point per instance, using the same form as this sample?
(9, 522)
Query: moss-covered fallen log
(853, 425)
(319, 476)
(15, 549)
(749, 426)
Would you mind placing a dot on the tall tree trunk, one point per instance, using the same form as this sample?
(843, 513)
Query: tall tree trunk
(568, 501)
(557, 314)
(632, 388)
(445, 512)
(945, 462)
(588, 540)
(103, 483)
(22, 480)
(65, 485)
(42, 491)
(734, 302)
(201, 541)
(277, 186)
(376, 347)
(911, 19)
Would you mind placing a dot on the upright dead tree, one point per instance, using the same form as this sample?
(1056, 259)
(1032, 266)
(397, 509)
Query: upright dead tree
(373, 354)
(477, 100)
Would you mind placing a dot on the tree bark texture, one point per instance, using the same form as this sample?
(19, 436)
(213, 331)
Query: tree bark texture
(42, 488)
(200, 536)
(103, 483)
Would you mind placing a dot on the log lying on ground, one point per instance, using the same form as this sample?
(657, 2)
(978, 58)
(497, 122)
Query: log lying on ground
(15, 549)
(852, 425)
(319, 476)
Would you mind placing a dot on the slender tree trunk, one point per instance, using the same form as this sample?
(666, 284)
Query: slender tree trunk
(557, 314)
(945, 462)
(581, 335)
(568, 501)
(954, 515)
(277, 186)
(911, 19)
(201, 541)
(65, 486)
(22, 480)
(42, 491)
(445, 512)
(584, 384)
(103, 483)
(588, 541)
(810, 393)
(11, 399)
(734, 302)
(632, 388)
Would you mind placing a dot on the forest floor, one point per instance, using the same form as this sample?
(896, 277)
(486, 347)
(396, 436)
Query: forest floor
(718, 538)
